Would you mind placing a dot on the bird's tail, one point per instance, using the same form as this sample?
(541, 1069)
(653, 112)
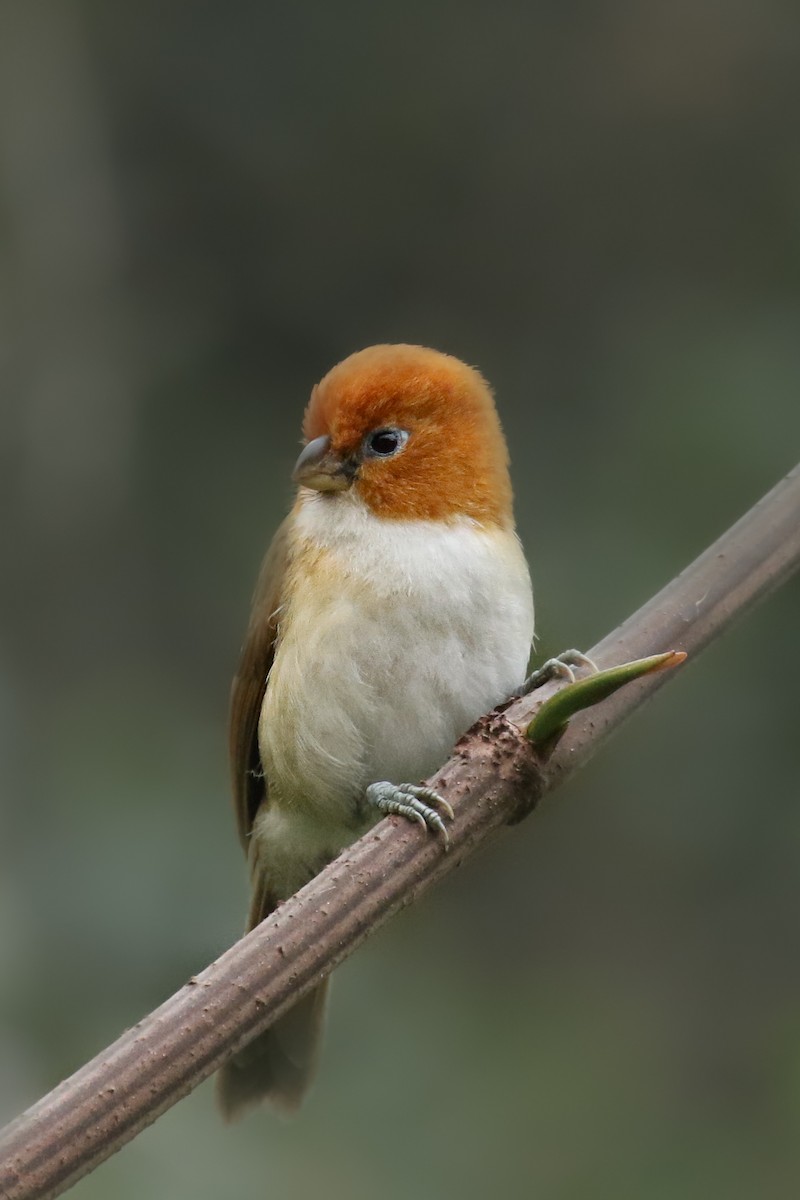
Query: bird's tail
(280, 1064)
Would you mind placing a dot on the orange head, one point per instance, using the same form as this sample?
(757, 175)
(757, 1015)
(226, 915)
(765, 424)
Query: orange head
(413, 432)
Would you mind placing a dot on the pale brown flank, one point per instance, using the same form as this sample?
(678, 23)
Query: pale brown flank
(456, 439)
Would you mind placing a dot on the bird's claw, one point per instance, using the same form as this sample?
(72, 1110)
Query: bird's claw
(408, 800)
(559, 667)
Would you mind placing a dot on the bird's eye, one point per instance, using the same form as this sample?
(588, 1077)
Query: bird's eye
(383, 443)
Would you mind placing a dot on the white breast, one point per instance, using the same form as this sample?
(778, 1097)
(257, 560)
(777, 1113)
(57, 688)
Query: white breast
(395, 637)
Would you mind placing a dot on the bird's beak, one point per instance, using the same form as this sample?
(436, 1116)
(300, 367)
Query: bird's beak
(319, 468)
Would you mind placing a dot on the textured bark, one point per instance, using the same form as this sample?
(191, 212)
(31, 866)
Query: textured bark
(493, 778)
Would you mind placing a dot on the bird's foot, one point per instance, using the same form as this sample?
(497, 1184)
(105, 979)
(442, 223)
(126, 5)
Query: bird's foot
(416, 803)
(559, 667)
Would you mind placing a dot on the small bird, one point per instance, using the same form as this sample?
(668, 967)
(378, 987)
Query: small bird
(394, 607)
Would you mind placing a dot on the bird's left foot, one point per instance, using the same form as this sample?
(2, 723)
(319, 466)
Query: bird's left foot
(559, 667)
(416, 803)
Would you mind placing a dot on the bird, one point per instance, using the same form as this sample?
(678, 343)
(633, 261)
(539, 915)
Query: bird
(394, 607)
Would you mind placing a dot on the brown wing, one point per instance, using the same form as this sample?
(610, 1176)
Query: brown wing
(250, 682)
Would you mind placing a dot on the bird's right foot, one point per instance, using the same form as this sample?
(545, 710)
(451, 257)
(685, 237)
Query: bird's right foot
(416, 803)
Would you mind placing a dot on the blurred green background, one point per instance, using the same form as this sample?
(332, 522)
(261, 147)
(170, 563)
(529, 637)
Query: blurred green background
(206, 205)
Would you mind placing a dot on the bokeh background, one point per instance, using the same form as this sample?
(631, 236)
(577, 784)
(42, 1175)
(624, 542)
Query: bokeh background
(203, 207)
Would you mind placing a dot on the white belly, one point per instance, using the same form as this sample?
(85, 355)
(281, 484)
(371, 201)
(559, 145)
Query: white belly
(395, 637)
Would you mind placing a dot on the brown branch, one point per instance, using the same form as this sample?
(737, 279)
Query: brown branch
(493, 778)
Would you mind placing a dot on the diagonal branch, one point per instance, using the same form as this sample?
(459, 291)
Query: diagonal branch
(493, 778)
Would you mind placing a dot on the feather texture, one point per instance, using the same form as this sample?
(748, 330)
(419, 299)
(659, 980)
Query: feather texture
(394, 638)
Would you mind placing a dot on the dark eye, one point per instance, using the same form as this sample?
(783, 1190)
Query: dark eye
(383, 443)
